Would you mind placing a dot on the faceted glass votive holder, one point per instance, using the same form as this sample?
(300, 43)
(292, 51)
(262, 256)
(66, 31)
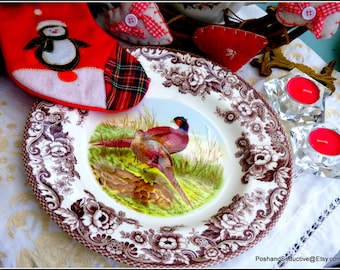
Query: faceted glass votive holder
(297, 98)
(316, 149)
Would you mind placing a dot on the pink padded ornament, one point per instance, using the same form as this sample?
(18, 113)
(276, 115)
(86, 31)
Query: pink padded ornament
(138, 23)
(322, 18)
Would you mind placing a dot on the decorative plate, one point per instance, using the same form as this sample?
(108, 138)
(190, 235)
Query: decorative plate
(147, 201)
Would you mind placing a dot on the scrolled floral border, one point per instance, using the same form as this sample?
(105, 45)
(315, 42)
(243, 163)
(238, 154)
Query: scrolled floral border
(227, 234)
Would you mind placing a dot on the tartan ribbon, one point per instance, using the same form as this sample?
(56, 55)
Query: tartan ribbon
(137, 9)
(126, 81)
(322, 12)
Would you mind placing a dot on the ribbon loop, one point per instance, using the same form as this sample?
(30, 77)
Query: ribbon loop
(122, 27)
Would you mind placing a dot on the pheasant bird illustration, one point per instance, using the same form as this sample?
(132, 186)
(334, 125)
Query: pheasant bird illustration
(174, 140)
(154, 154)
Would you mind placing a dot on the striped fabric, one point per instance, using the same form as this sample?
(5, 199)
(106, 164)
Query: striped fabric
(125, 80)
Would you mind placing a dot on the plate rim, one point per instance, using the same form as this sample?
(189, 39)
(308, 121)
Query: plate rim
(73, 234)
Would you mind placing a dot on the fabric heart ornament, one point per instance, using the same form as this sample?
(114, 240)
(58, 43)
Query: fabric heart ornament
(322, 18)
(228, 46)
(138, 23)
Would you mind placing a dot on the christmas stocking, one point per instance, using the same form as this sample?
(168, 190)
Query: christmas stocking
(58, 52)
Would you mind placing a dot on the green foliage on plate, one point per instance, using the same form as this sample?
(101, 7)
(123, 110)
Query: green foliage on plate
(146, 189)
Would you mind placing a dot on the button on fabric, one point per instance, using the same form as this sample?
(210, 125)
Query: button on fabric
(131, 20)
(309, 13)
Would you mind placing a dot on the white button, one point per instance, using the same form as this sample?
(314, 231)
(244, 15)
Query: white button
(131, 20)
(309, 13)
(37, 12)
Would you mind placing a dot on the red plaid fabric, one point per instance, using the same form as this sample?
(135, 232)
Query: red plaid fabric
(125, 80)
(322, 12)
(137, 9)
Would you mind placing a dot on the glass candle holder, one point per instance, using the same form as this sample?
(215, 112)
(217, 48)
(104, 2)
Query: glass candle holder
(297, 98)
(316, 149)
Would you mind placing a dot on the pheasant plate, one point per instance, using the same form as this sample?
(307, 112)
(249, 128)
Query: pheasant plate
(203, 194)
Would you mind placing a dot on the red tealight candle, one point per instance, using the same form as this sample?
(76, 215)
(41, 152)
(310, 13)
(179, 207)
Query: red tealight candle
(325, 141)
(303, 90)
